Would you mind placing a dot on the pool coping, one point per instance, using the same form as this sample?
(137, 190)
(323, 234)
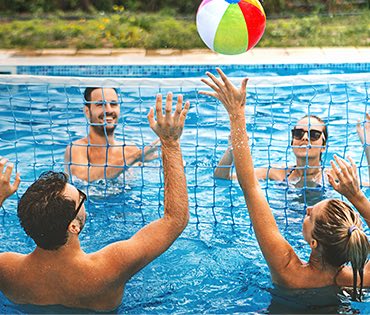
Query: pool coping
(174, 56)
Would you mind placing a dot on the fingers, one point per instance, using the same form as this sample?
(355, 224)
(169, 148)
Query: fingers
(178, 108)
(243, 86)
(212, 94)
(17, 181)
(210, 84)
(151, 119)
(184, 112)
(332, 181)
(158, 108)
(168, 107)
(367, 117)
(8, 172)
(214, 79)
(335, 169)
(2, 164)
(344, 166)
(224, 78)
(353, 165)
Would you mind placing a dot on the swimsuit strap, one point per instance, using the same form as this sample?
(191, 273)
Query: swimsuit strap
(291, 171)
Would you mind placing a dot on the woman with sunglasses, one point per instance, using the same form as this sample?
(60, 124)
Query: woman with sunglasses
(309, 139)
(331, 227)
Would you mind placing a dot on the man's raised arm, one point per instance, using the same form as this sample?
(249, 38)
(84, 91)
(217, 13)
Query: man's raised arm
(157, 237)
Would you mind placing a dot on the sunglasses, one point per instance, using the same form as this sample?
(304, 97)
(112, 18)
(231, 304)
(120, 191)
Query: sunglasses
(83, 198)
(314, 135)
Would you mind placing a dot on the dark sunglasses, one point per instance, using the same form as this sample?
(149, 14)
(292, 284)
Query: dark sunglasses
(83, 198)
(314, 135)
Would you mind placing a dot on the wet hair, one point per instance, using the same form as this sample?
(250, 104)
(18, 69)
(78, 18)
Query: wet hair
(338, 231)
(45, 213)
(89, 90)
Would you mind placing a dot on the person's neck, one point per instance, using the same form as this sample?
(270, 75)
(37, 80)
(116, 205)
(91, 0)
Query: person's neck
(95, 138)
(70, 249)
(315, 262)
(308, 168)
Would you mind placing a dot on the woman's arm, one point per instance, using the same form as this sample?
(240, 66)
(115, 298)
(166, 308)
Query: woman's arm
(364, 135)
(224, 167)
(276, 250)
(344, 179)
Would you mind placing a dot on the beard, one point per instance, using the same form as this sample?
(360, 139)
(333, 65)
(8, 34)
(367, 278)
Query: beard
(104, 130)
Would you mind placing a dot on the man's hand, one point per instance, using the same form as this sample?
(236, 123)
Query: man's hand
(6, 188)
(151, 151)
(231, 97)
(168, 127)
(344, 178)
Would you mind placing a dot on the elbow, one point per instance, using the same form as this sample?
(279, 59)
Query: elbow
(179, 220)
(221, 175)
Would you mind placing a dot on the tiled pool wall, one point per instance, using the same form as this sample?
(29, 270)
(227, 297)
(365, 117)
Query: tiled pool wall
(179, 71)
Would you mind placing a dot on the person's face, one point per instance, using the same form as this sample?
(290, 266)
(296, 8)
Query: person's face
(308, 141)
(79, 197)
(104, 110)
(309, 221)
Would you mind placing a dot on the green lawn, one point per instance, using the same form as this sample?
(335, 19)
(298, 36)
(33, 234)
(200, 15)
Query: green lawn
(128, 30)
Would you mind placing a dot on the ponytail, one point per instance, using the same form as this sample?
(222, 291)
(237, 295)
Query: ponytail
(358, 249)
(338, 230)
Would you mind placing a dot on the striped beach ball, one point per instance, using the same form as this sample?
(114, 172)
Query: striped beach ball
(231, 27)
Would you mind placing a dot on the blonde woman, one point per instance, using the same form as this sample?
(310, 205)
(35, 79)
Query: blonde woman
(331, 227)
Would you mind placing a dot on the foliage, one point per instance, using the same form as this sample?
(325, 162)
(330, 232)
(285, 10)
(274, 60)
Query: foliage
(162, 30)
(272, 7)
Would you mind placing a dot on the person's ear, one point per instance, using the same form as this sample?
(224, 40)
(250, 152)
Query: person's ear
(74, 227)
(313, 244)
(87, 112)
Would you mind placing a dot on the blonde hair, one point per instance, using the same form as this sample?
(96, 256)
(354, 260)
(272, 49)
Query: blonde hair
(338, 231)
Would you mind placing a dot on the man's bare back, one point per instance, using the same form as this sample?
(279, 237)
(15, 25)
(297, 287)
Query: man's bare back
(52, 213)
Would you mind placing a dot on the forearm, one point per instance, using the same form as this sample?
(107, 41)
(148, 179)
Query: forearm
(367, 153)
(362, 204)
(274, 247)
(175, 190)
(224, 169)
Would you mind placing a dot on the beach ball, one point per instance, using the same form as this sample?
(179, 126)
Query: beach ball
(231, 27)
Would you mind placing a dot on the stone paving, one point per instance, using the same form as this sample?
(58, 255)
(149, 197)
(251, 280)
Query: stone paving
(173, 56)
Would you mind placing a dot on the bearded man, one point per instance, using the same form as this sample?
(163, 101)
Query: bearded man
(99, 155)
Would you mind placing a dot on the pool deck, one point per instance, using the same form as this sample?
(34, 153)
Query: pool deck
(172, 56)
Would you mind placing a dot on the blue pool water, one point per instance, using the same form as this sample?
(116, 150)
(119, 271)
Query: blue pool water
(216, 265)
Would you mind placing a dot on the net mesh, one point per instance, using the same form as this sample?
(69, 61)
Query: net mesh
(41, 116)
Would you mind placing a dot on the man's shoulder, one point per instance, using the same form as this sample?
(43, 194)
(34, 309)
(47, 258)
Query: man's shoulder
(77, 145)
(10, 260)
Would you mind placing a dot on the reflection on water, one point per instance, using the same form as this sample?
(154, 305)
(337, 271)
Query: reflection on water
(216, 265)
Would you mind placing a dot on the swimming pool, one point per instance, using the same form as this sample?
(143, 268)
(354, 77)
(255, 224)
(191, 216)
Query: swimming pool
(215, 266)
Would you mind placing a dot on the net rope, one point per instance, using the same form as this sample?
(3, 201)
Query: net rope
(40, 116)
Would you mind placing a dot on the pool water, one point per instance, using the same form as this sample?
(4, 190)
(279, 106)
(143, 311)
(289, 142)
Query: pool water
(216, 265)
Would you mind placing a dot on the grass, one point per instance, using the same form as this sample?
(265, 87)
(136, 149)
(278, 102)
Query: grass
(153, 31)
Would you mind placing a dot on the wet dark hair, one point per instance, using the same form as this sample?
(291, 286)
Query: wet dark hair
(89, 90)
(45, 213)
(338, 231)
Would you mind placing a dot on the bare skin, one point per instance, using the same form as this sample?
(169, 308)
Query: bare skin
(307, 152)
(99, 155)
(285, 266)
(68, 276)
(364, 135)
